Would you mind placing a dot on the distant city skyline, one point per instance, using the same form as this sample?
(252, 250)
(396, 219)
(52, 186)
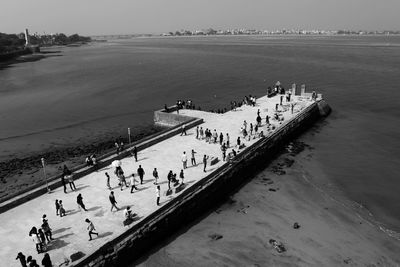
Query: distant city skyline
(103, 17)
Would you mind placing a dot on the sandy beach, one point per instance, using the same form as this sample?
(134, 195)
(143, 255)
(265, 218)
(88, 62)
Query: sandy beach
(237, 233)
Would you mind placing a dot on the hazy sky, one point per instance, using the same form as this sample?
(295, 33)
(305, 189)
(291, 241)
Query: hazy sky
(91, 17)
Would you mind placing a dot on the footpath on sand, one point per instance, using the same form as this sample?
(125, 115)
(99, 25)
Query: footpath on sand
(70, 232)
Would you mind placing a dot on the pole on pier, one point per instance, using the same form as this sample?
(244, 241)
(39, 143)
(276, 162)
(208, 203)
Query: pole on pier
(45, 176)
(129, 136)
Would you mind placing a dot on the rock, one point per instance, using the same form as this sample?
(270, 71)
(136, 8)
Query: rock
(215, 236)
(296, 225)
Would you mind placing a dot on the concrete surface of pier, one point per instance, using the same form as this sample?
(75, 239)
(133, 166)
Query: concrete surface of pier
(69, 232)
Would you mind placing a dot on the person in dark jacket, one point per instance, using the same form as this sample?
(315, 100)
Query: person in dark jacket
(46, 261)
(21, 258)
(140, 172)
(79, 200)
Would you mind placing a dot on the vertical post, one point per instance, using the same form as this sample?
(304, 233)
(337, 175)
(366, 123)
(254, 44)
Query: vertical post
(129, 136)
(45, 176)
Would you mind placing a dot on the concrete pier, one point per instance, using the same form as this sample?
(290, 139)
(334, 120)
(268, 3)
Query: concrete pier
(116, 242)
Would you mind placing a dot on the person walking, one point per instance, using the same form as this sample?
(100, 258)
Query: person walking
(227, 140)
(238, 141)
(21, 258)
(57, 207)
(193, 159)
(71, 182)
(135, 153)
(183, 130)
(132, 183)
(267, 120)
(158, 195)
(181, 175)
(197, 132)
(108, 180)
(184, 160)
(140, 172)
(251, 129)
(205, 162)
(113, 202)
(117, 146)
(155, 175)
(91, 229)
(121, 177)
(79, 200)
(245, 124)
(46, 261)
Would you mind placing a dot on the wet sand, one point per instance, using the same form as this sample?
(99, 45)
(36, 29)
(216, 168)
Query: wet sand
(237, 233)
(22, 172)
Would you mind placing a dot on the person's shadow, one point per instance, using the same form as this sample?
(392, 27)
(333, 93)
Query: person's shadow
(102, 235)
(58, 242)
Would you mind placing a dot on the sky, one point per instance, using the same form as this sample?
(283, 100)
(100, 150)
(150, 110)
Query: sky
(98, 17)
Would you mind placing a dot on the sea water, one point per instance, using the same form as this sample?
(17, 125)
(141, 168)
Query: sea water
(83, 93)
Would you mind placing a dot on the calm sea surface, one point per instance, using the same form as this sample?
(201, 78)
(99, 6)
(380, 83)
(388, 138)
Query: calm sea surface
(95, 90)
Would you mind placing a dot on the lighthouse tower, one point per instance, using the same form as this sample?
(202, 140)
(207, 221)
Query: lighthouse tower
(27, 39)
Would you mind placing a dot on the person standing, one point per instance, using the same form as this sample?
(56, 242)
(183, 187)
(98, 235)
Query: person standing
(251, 129)
(132, 182)
(117, 146)
(223, 149)
(21, 258)
(113, 201)
(205, 162)
(91, 229)
(193, 159)
(267, 120)
(108, 180)
(135, 153)
(140, 171)
(181, 175)
(46, 228)
(227, 140)
(42, 239)
(62, 210)
(63, 183)
(245, 124)
(46, 261)
(158, 195)
(221, 138)
(79, 200)
(57, 207)
(201, 133)
(215, 136)
(155, 175)
(197, 132)
(169, 177)
(238, 141)
(184, 160)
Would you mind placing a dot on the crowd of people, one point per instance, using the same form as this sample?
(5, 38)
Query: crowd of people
(42, 236)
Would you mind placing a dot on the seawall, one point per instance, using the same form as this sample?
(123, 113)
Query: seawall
(202, 195)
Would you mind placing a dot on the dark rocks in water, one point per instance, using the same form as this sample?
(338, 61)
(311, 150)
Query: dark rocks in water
(215, 237)
(272, 189)
(277, 245)
(296, 225)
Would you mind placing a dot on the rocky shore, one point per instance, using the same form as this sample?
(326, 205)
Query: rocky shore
(18, 174)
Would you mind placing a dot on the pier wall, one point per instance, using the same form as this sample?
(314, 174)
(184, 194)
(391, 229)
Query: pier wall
(201, 196)
(169, 118)
(102, 161)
